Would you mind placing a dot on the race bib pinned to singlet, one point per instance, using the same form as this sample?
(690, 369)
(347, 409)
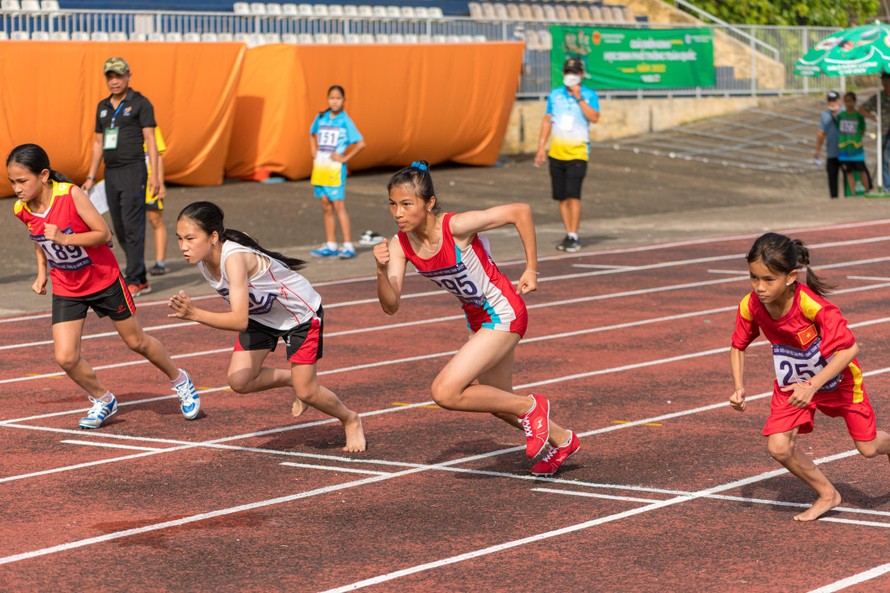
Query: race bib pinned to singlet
(794, 365)
(63, 257)
(328, 137)
(457, 281)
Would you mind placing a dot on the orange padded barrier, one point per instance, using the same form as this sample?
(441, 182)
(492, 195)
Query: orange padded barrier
(51, 89)
(224, 109)
(432, 102)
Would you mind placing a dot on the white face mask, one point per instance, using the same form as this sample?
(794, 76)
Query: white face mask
(571, 79)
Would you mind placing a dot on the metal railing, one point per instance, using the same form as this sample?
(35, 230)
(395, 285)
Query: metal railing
(750, 60)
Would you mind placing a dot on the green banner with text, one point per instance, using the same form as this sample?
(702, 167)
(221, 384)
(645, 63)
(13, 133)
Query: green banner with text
(616, 58)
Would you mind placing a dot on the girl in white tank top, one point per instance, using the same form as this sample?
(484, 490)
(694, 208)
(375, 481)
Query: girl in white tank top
(268, 300)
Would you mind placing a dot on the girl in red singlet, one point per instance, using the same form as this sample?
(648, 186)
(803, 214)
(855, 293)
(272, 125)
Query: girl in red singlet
(72, 240)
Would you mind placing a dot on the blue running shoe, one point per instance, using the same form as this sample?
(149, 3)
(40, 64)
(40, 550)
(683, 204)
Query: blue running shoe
(189, 400)
(346, 253)
(324, 251)
(101, 411)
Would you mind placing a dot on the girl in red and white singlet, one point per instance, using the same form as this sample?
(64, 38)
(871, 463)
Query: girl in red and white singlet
(815, 361)
(268, 300)
(446, 249)
(72, 240)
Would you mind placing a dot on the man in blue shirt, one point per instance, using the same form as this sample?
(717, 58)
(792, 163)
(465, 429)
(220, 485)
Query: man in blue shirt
(571, 108)
(828, 132)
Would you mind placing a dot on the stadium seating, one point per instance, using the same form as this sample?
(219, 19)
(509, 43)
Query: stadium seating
(241, 8)
(274, 9)
(289, 9)
(117, 36)
(11, 5)
(40, 36)
(290, 39)
(191, 37)
(49, 5)
(60, 36)
(30, 5)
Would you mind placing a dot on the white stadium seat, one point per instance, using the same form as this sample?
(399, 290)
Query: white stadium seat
(191, 37)
(133, 37)
(337, 39)
(118, 36)
(306, 39)
(408, 12)
(304, 9)
(257, 8)
(424, 38)
(320, 10)
(274, 9)
(289, 9)
(31, 5)
(411, 38)
(4, 36)
(80, 36)
(421, 12)
(513, 11)
(561, 13)
(60, 36)
(438, 39)
(379, 11)
(241, 8)
(452, 39)
(365, 10)
(480, 39)
(49, 5)
(435, 12)
(353, 39)
(322, 38)
(396, 38)
(465, 39)
(393, 11)
(366, 38)
(11, 5)
(531, 41)
(350, 10)
(488, 10)
(546, 40)
(209, 37)
(335, 10)
(174, 36)
(289, 38)
(475, 10)
(99, 36)
(500, 11)
(381, 38)
(40, 36)
(271, 38)
(225, 37)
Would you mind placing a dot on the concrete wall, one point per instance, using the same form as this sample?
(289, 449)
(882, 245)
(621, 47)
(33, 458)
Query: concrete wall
(620, 118)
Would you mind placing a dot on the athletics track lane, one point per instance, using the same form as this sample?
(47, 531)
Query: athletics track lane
(384, 523)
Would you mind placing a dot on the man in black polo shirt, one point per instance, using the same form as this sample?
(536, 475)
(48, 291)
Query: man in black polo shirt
(124, 122)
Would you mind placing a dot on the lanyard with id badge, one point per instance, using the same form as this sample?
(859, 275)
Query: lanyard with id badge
(325, 171)
(110, 136)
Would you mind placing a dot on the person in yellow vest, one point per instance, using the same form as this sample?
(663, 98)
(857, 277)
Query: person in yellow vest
(154, 208)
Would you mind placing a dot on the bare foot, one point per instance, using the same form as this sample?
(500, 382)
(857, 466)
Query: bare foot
(299, 408)
(355, 434)
(819, 508)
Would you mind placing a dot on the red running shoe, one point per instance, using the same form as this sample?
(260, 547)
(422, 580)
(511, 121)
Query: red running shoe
(536, 424)
(554, 458)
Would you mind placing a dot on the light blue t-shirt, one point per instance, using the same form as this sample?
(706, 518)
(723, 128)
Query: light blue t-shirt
(829, 127)
(334, 133)
(569, 128)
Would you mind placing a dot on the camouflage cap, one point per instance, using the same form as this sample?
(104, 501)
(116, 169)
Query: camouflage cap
(117, 65)
(573, 64)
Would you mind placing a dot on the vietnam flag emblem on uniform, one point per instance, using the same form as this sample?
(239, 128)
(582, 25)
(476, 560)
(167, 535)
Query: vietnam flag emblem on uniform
(808, 335)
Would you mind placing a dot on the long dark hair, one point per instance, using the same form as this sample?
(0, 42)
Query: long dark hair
(418, 177)
(35, 160)
(782, 254)
(209, 217)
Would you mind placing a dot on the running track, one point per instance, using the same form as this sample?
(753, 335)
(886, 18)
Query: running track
(671, 491)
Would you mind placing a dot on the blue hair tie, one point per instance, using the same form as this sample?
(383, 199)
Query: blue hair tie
(419, 165)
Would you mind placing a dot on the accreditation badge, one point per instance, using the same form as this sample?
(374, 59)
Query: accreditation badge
(326, 172)
(109, 139)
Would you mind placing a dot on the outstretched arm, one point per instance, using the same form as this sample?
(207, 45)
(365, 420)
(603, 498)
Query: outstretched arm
(466, 224)
(737, 365)
(237, 272)
(391, 264)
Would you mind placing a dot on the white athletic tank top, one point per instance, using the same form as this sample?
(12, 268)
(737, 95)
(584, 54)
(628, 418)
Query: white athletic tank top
(279, 297)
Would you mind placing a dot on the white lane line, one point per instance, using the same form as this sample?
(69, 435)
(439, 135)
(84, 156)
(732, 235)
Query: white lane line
(565, 530)
(594, 495)
(110, 445)
(331, 468)
(744, 273)
(867, 575)
(638, 249)
(604, 267)
(874, 278)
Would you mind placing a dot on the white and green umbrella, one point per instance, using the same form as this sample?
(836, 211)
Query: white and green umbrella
(852, 52)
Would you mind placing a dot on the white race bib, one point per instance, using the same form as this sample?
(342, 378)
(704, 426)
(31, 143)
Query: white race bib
(457, 281)
(328, 137)
(794, 365)
(63, 257)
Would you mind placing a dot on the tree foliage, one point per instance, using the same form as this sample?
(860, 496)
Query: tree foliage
(814, 13)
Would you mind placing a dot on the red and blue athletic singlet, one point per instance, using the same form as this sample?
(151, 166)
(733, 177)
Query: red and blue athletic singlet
(803, 340)
(75, 271)
(489, 298)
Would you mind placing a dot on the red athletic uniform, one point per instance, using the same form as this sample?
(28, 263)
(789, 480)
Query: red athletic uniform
(804, 340)
(489, 299)
(75, 271)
